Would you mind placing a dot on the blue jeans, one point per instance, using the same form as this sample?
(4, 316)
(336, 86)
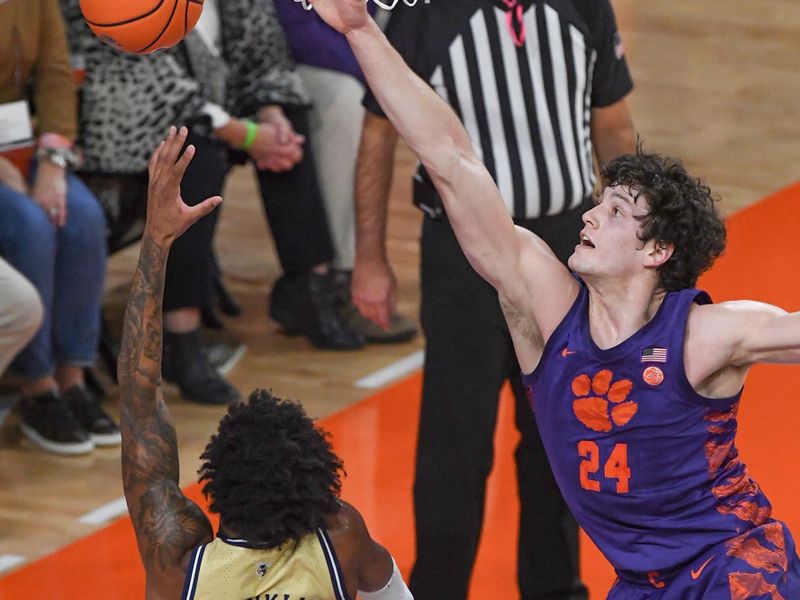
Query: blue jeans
(67, 268)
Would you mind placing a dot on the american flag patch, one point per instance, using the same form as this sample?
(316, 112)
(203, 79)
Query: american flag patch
(654, 354)
(619, 49)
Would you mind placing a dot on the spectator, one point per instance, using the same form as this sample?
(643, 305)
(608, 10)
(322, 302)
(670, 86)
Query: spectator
(336, 86)
(53, 232)
(228, 90)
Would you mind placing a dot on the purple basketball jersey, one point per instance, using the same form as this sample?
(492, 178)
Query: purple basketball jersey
(647, 465)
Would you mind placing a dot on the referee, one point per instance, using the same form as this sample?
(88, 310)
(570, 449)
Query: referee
(540, 86)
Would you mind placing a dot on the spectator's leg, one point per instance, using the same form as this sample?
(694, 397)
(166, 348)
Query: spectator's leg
(335, 122)
(79, 277)
(20, 313)
(188, 285)
(304, 300)
(28, 242)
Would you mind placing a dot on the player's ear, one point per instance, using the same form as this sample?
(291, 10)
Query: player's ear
(658, 253)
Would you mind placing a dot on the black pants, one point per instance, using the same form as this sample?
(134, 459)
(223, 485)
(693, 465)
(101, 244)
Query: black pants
(191, 264)
(295, 210)
(469, 355)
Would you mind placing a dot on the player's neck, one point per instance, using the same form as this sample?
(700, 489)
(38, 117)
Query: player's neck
(618, 310)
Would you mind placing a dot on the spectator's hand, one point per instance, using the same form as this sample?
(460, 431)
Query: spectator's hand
(374, 290)
(342, 15)
(11, 176)
(167, 215)
(49, 191)
(269, 153)
(274, 115)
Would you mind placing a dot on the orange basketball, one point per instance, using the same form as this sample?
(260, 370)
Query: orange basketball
(141, 26)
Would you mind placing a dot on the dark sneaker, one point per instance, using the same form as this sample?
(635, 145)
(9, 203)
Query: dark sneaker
(310, 305)
(185, 365)
(223, 356)
(401, 329)
(47, 421)
(100, 427)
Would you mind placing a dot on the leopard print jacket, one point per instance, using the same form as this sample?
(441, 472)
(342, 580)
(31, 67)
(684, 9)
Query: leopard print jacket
(129, 101)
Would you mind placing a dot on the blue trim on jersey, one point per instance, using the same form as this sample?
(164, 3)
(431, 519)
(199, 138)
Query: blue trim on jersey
(193, 573)
(239, 543)
(334, 568)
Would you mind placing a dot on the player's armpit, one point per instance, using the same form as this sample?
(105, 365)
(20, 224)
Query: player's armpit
(543, 288)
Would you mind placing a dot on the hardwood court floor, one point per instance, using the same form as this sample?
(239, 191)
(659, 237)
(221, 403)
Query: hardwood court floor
(716, 85)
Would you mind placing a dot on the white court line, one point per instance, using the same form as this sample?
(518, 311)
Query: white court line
(396, 370)
(105, 513)
(9, 561)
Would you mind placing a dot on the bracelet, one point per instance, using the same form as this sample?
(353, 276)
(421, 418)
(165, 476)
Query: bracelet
(250, 136)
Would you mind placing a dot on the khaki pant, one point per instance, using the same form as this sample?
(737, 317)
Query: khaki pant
(20, 313)
(335, 121)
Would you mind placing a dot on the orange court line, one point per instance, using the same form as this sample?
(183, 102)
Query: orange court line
(377, 438)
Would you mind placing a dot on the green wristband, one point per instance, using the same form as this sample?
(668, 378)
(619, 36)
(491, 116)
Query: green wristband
(250, 136)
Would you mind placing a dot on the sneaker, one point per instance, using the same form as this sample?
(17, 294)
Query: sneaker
(48, 421)
(96, 422)
(223, 356)
(401, 329)
(310, 305)
(186, 365)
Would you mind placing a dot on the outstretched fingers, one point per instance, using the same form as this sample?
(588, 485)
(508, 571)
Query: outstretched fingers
(179, 168)
(198, 211)
(175, 141)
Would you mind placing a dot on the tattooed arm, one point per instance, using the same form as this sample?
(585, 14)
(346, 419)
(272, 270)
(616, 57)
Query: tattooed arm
(167, 524)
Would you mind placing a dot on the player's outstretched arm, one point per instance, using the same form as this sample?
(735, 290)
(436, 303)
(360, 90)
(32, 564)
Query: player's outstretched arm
(167, 524)
(725, 339)
(474, 207)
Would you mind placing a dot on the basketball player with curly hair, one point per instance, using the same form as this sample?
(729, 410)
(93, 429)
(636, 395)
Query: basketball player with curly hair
(634, 376)
(269, 473)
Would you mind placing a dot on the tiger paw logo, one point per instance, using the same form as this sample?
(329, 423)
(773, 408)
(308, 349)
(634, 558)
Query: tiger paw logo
(601, 404)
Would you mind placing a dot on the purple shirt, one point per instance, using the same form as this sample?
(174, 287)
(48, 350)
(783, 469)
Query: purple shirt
(647, 465)
(314, 42)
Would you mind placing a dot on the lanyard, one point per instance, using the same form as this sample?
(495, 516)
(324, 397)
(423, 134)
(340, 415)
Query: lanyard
(515, 21)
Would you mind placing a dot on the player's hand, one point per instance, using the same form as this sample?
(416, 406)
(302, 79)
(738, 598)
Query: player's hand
(167, 214)
(374, 290)
(343, 15)
(49, 191)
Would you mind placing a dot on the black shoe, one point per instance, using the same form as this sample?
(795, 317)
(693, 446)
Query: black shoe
(185, 365)
(100, 427)
(310, 305)
(48, 422)
(401, 329)
(223, 356)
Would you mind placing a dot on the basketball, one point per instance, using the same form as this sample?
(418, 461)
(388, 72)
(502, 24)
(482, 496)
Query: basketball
(141, 26)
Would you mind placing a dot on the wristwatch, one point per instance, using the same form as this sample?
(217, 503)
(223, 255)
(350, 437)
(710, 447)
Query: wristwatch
(60, 157)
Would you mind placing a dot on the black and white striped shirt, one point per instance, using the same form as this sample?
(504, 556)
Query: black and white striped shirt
(523, 81)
